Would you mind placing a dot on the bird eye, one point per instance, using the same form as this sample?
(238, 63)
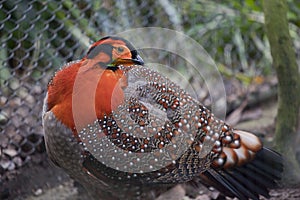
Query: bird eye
(120, 49)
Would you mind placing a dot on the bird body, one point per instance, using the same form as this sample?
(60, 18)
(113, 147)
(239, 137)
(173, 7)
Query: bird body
(116, 125)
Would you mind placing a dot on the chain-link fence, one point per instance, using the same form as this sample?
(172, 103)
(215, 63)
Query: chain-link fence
(39, 36)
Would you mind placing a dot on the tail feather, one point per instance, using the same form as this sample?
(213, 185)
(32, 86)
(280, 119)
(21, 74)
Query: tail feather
(213, 178)
(231, 184)
(251, 187)
(238, 180)
(249, 180)
(264, 180)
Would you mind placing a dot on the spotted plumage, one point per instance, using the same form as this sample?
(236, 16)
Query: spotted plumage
(133, 128)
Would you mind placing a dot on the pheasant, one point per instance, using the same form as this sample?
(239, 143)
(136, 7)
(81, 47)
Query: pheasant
(125, 131)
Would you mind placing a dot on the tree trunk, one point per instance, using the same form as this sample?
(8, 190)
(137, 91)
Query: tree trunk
(284, 61)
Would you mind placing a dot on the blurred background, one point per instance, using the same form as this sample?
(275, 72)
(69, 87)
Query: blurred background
(38, 36)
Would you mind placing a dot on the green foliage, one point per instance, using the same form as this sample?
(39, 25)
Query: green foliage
(233, 32)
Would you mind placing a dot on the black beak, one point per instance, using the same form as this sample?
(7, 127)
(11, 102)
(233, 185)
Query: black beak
(138, 60)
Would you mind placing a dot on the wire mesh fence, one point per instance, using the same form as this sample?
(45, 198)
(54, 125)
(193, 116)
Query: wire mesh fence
(39, 36)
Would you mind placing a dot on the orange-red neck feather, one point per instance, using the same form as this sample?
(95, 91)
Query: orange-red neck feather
(84, 91)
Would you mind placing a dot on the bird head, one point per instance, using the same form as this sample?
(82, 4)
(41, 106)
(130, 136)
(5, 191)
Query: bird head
(110, 52)
(96, 80)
